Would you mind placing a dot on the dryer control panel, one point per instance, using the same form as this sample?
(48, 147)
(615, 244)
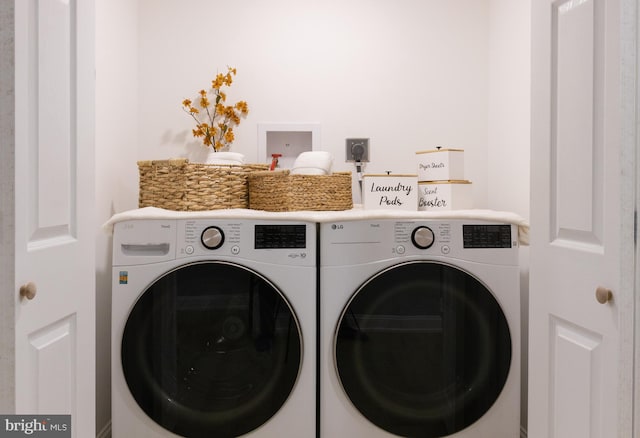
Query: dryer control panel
(486, 236)
(353, 242)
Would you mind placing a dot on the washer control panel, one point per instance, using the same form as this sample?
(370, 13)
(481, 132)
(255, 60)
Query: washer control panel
(273, 236)
(286, 242)
(200, 237)
(269, 241)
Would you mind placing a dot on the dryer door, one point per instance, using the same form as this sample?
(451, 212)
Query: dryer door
(423, 349)
(211, 349)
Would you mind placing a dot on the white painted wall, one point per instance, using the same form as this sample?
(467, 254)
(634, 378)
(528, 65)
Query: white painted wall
(509, 130)
(116, 171)
(409, 75)
(509, 106)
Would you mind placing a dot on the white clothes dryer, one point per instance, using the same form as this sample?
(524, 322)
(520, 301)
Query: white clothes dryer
(420, 329)
(214, 328)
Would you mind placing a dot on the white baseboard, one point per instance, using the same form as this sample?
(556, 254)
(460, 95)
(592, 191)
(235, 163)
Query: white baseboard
(105, 432)
(523, 432)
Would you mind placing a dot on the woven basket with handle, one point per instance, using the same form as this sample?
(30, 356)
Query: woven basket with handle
(179, 185)
(282, 191)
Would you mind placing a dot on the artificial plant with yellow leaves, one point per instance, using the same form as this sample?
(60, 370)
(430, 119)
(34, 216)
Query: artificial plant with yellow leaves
(214, 119)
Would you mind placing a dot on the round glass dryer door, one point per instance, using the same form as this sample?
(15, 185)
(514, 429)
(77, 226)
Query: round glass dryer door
(211, 349)
(423, 349)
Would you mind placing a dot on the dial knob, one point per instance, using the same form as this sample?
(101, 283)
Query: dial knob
(422, 237)
(212, 238)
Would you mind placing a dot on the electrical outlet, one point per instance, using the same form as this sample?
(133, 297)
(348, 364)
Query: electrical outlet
(355, 147)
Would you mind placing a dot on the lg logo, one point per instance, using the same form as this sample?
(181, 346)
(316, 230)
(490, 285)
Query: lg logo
(337, 227)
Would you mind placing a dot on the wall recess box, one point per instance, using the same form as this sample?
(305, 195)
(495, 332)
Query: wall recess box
(287, 139)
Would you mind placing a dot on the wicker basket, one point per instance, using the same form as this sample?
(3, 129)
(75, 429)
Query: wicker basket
(180, 185)
(282, 191)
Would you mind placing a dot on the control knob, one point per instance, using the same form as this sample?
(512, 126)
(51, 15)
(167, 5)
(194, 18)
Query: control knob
(422, 237)
(212, 237)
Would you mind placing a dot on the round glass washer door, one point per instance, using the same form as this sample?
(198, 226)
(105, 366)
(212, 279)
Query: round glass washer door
(211, 349)
(423, 349)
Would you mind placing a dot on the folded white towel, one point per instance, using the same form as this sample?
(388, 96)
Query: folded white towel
(314, 159)
(308, 171)
(225, 157)
(225, 162)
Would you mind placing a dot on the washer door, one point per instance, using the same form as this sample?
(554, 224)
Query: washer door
(211, 349)
(423, 349)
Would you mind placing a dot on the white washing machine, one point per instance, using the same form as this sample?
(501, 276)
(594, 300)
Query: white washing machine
(214, 328)
(420, 329)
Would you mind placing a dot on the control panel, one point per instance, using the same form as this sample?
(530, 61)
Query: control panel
(421, 236)
(487, 236)
(200, 237)
(280, 236)
(352, 242)
(269, 241)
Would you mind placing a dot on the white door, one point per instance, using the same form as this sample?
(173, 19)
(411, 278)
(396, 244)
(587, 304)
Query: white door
(574, 340)
(54, 204)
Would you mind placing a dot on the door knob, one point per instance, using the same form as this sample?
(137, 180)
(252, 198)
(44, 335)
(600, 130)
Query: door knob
(603, 295)
(28, 290)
